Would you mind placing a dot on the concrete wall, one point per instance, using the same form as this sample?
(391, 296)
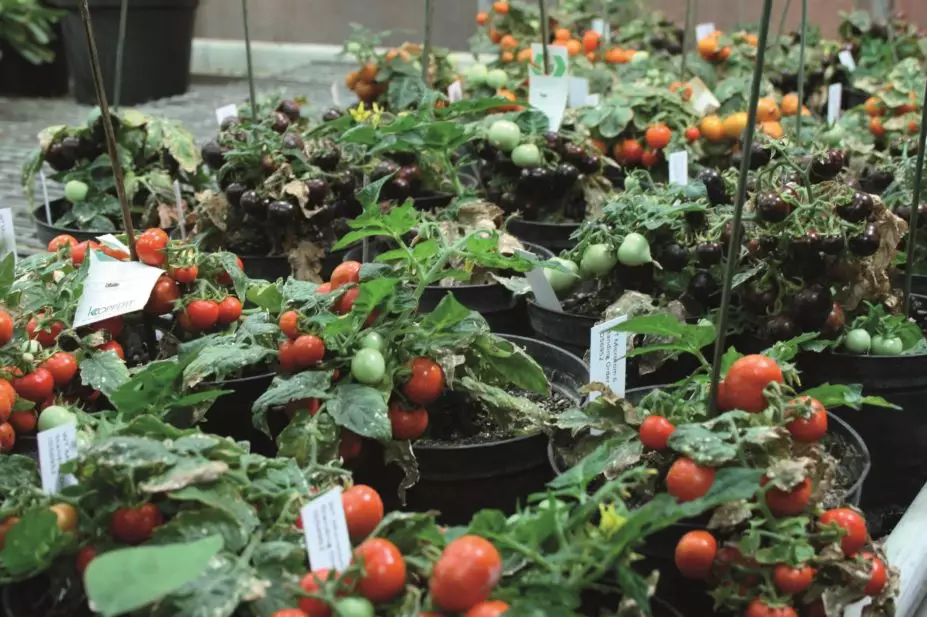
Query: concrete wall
(326, 21)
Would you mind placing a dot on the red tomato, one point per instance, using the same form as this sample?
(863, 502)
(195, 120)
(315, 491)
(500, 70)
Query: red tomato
(324, 288)
(115, 253)
(788, 503)
(7, 391)
(311, 404)
(693, 134)
(308, 350)
(185, 274)
(695, 554)
(286, 356)
(346, 272)
(655, 432)
(59, 241)
(363, 510)
(113, 325)
(493, 608)
(79, 251)
(650, 158)
(7, 437)
(224, 278)
(114, 347)
(291, 612)
(47, 333)
(135, 525)
(687, 480)
(311, 583)
(407, 423)
(350, 446)
(6, 327)
(426, 382)
(746, 379)
(150, 247)
(84, 557)
(62, 366)
(229, 310)
(877, 577)
(630, 152)
(36, 386)
(184, 321)
(289, 324)
(203, 314)
(793, 580)
(346, 301)
(384, 570)
(466, 573)
(758, 608)
(163, 296)
(658, 136)
(6, 408)
(812, 428)
(854, 525)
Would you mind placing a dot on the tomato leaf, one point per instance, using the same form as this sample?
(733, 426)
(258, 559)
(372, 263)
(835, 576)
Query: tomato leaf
(224, 360)
(703, 445)
(624, 447)
(193, 525)
(17, 471)
(103, 371)
(850, 395)
(360, 409)
(296, 292)
(283, 390)
(498, 361)
(305, 435)
(229, 262)
(449, 312)
(33, 543)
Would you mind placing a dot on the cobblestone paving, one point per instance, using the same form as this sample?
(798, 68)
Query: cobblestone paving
(22, 119)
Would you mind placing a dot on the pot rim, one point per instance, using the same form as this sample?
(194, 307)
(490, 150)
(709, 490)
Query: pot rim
(521, 221)
(576, 316)
(40, 221)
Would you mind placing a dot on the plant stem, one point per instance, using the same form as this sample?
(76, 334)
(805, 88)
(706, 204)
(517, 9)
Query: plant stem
(426, 45)
(120, 52)
(686, 34)
(734, 247)
(108, 127)
(545, 36)
(915, 203)
(801, 71)
(244, 17)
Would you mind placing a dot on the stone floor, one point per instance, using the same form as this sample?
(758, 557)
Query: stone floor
(22, 119)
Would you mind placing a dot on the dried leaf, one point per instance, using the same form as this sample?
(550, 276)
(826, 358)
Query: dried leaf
(215, 208)
(306, 261)
(786, 474)
(209, 471)
(480, 214)
(730, 515)
(298, 189)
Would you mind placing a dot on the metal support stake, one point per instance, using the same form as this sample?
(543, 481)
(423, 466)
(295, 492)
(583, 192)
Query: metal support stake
(244, 16)
(801, 71)
(545, 36)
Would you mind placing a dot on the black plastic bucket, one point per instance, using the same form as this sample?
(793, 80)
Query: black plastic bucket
(156, 59)
(432, 200)
(19, 77)
(44, 596)
(45, 232)
(230, 415)
(459, 480)
(268, 268)
(553, 236)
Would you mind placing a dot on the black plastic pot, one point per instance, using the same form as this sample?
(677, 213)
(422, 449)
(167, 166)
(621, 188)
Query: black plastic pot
(459, 480)
(432, 200)
(43, 596)
(268, 267)
(554, 236)
(19, 77)
(156, 59)
(230, 415)
(896, 438)
(45, 232)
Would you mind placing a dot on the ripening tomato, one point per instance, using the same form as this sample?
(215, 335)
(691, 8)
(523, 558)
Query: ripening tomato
(812, 428)
(289, 324)
(346, 272)
(113, 325)
(7, 437)
(695, 554)
(877, 576)
(407, 423)
(758, 608)
(229, 310)
(47, 333)
(224, 278)
(308, 350)
(346, 301)
(135, 525)
(687, 480)
(650, 158)
(492, 608)
(852, 523)
(426, 381)
(286, 357)
(363, 510)
(384, 570)
(36, 386)
(23, 422)
(693, 134)
(67, 516)
(793, 580)
(466, 573)
(788, 503)
(60, 241)
(203, 314)
(113, 346)
(185, 274)
(150, 247)
(655, 432)
(7, 391)
(79, 251)
(292, 612)
(6, 327)
(658, 136)
(324, 288)
(6, 408)
(312, 583)
(746, 379)
(84, 557)
(628, 152)
(62, 366)
(163, 296)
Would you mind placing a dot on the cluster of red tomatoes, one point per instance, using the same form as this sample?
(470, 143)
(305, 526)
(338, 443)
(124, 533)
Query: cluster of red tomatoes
(461, 582)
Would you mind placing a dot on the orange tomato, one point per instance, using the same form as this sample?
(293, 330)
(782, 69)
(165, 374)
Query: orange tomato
(875, 126)
(767, 110)
(789, 104)
(599, 145)
(771, 128)
(482, 17)
(629, 54)
(591, 56)
(562, 34)
(751, 39)
(368, 72)
(712, 128)
(684, 89)
(590, 40)
(365, 91)
(708, 46)
(735, 124)
(351, 80)
(615, 55)
(574, 47)
(507, 57)
(508, 42)
(495, 36)
(525, 55)
(805, 111)
(874, 106)
(500, 7)
(723, 54)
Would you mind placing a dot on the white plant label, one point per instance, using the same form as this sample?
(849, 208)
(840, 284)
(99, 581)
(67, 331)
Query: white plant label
(114, 288)
(550, 93)
(608, 356)
(57, 446)
(592, 100)
(48, 216)
(455, 92)
(846, 59)
(113, 242)
(834, 96)
(336, 94)
(679, 168)
(326, 531)
(603, 29)
(703, 30)
(544, 294)
(703, 101)
(7, 234)
(226, 111)
(579, 92)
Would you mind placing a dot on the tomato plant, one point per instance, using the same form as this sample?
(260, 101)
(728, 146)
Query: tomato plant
(695, 554)
(384, 570)
(687, 480)
(426, 381)
(363, 510)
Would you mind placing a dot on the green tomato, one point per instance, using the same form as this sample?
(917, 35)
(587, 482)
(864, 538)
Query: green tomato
(857, 341)
(526, 155)
(597, 260)
(476, 74)
(54, 416)
(562, 282)
(634, 250)
(368, 366)
(354, 607)
(640, 56)
(887, 345)
(75, 191)
(497, 78)
(373, 340)
(505, 135)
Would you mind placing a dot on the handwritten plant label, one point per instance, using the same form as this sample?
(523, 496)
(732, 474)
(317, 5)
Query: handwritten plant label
(703, 30)
(549, 93)
(703, 101)
(544, 294)
(226, 111)
(114, 288)
(846, 59)
(57, 446)
(579, 92)
(834, 96)
(326, 532)
(455, 92)
(608, 356)
(7, 234)
(679, 168)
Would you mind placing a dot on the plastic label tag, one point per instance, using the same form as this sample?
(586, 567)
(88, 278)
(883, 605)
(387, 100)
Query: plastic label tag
(549, 93)
(603, 29)
(579, 92)
(326, 531)
(114, 288)
(48, 216)
(113, 242)
(226, 111)
(846, 59)
(544, 294)
(834, 96)
(455, 92)
(7, 234)
(592, 100)
(679, 168)
(556, 55)
(703, 101)
(703, 30)
(336, 94)
(56, 447)
(608, 356)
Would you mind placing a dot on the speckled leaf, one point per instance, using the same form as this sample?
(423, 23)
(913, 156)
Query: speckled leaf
(193, 525)
(218, 591)
(702, 445)
(361, 409)
(282, 390)
(224, 360)
(182, 146)
(132, 118)
(103, 371)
